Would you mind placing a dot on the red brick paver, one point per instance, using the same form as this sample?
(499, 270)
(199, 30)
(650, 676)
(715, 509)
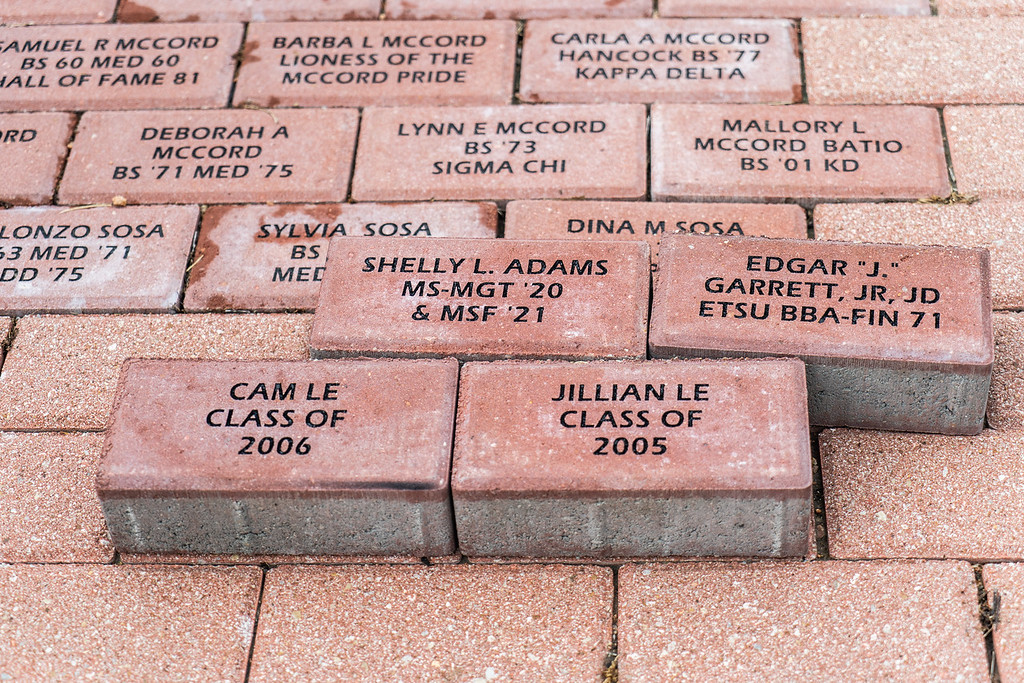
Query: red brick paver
(246, 10)
(56, 11)
(514, 9)
(790, 8)
(982, 8)
(987, 149)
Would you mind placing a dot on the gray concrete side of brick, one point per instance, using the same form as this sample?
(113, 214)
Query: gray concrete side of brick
(282, 525)
(753, 525)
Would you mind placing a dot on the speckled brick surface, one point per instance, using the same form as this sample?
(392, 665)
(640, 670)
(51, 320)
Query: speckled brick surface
(831, 621)
(890, 495)
(987, 150)
(461, 623)
(61, 371)
(1006, 399)
(925, 60)
(1004, 584)
(76, 623)
(979, 8)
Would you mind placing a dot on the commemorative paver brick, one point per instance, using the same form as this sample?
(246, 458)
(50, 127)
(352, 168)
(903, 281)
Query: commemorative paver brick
(660, 60)
(791, 8)
(483, 299)
(890, 495)
(115, 66)
(1006, 400)
(514, 9)
(299, 457)
(632, 459)
(211, 156)
(996, 226)
(56, 11)
(61, 372)
(894, 337)
(74, 622)
(785, 621)
(539, 152)
(378, 63)
(32, 150)
(461, 623)
(810, 153)
(273, 257)
(1005, 586)
(247, 10)
(986, 149)
(98, 259)
(922, 60)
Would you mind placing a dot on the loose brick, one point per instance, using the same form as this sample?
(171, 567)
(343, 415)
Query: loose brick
(61, 372)
(986, 150)
(247, 10)
(660, 60)
(273, 258)
(222, 156)
(806, 621)
(922, 495)
(118, 67)
(514, 9)
(239, 457)
(458, 623)
(979, 8)
(50, 512)
(791, 8)
(98, 259)
(996, 226)
(1006, 400)
(56, 11)
(632, 459)
(32, 150)
(483, 299)
(649, 221)
(127, 623)
(1005, 585)
(810, 153)
(384, 63)
(924, 60)
(912, 354)
(542, 152)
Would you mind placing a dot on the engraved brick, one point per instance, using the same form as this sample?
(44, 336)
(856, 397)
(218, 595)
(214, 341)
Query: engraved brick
(247, 10)
(483, 299)
(980, 8)
(117, 67)
(660, 60)
(281, 457)
(56, 11)
(649, 221)
(273, 258)
(921, 60)
(541, 152)
(514, 9)
(993, 225)
(791, 8)
(221, 156)
(32, 149)
(633, 459)
(894, 337)
(378, 63)
(722, 152)
(97, 260)
(986, 149)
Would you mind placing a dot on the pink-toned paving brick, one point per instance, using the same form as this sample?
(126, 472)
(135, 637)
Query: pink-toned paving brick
(211, 156)
(791, 8)
(48, 506)
(115, 66)
(926, 60)
(56, 11)
(246, 10)
(996, 226)
(461, 623)
(660, 60)
(514, 9)
(987, 149)
(1006, 399)
(62, 371)
(383, 63)
(1005, 583)
(979, 8)
(773, 621)
(32, 149)
(891, 495)
(75, 622)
